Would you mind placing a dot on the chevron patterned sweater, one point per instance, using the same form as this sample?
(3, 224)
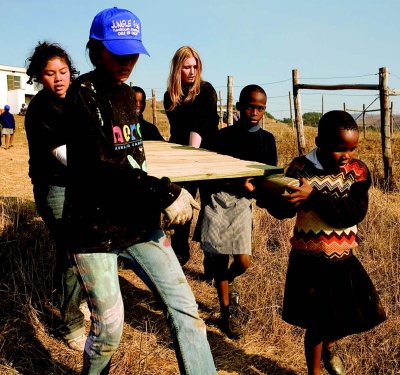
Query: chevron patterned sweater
(326, 223)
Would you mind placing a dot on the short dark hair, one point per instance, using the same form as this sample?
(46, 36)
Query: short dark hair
(332, 122)
(42, 53)
(94, 48)
(244, 94)
(139, 89)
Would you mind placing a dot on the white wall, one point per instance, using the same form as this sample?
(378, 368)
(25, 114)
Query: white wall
(15, 98)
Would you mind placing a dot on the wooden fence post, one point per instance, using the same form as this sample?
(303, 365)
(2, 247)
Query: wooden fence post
(221, 114)
(385, 125)
(364, 120)
(391, 118)
(291, 114)
(384, 93)
(154, 104)
(229, 105)
(301, 142)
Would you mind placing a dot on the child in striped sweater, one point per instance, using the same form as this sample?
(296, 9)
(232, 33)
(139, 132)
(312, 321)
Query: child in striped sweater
(327, 291)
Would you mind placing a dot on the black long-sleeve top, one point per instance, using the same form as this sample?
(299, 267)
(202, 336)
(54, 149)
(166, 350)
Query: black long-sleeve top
(199, 116)
(242, 142)
(246, 143)
(44, 131)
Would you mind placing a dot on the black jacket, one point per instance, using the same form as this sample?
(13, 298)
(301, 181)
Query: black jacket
(44, 132)
(111, 202)
(199, 116)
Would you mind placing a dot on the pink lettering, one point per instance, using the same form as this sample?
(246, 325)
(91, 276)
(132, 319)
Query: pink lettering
(117, 135)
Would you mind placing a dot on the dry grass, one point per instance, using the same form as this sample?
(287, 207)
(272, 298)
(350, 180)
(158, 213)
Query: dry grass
(270, 346)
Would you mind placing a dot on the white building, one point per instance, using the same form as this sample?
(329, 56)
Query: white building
(13, 88)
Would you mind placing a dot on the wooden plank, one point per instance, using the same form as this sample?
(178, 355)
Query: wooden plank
(185, 163)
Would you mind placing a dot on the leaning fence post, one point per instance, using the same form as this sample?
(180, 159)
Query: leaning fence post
(391, 118)
(154, 105)
(364, 120)
(221, 114)
(385, 125)
(291, 111)
(301, 142)
(229, 105)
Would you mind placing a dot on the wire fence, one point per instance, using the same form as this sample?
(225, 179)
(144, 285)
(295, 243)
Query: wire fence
(279, 106)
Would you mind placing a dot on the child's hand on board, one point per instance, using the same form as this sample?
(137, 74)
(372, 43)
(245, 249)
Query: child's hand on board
(248, 184)
(298, 194)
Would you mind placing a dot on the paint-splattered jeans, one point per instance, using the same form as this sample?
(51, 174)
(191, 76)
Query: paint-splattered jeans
(49, 202)
(156, 264)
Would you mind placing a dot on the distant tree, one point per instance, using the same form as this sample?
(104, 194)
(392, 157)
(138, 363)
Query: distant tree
(311, 118)
(269, 115)
(287, 121)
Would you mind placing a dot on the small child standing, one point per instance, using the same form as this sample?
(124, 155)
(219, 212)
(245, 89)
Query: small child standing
(327, 291)
(148, 130)
(227, 216)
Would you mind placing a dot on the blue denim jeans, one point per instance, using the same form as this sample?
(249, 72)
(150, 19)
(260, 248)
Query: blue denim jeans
(49, 203)
(156, 264)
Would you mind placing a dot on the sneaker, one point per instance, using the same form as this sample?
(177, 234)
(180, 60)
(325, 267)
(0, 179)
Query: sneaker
(332, 362)
(231, 327)
(242, 314)
(85, 311)
(78, 343)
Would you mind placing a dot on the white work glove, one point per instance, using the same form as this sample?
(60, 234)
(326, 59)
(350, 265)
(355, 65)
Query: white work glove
(181, 210)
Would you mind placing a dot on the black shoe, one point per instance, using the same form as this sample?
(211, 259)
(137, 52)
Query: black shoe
(183, 258)
(121, 265)
(231, 326)
(332, 362)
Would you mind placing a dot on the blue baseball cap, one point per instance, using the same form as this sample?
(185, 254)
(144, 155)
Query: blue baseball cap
(6, 107)
(119, 30)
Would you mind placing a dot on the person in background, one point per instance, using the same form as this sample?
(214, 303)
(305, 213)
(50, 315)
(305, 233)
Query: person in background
(22, 111)
(327, 291)
(1, 126)
(50, 65)
(8, 127)
(226, 227)
(148, 130)
(191, 107)
(113, 206)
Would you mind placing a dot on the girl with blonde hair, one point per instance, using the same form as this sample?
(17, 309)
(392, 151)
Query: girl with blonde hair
(175, 85)
(191, 107)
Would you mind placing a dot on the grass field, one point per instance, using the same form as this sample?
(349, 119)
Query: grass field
(270, 346)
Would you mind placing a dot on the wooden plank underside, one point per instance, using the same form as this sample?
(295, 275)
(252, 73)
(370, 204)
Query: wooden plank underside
(184, 163)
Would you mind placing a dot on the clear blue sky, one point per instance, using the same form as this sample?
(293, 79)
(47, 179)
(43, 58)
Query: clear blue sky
(255, 41)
